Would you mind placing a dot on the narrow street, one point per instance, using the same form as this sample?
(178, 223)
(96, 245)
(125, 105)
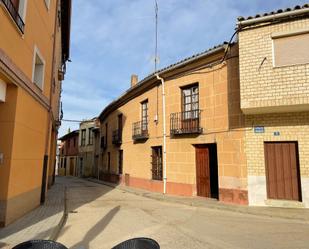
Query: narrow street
(101, 217)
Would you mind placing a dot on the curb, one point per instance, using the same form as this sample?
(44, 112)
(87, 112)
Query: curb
(272, 212)
(56, 231)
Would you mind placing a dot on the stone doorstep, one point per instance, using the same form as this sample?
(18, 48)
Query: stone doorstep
(286, 212)
(284, 203)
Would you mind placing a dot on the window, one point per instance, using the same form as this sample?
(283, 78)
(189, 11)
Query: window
(17, 10)
(106, 133)
(157, 163)
(90, 136)
(69, 140)
(74, 142)
(38, 69)
(108, 162)
(144, 106)
(102, 142)
(290, 49)
(190, 102)
(120, 162)
(83, 138)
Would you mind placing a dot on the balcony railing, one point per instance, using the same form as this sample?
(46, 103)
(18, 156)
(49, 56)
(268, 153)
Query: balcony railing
(117, 137)
(14, 14)
(187, 122)
(140, 130)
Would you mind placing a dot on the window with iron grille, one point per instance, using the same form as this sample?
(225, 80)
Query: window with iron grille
(90, 136)
(108, 162)
(106, 133)
(83, 138)
(190, 102)
(102, 142)
(144, 106)
(120, 162)
(157, 163)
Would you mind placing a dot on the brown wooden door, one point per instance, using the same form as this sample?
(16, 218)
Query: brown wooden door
(72, 166)
(202, 171)
(282, 171)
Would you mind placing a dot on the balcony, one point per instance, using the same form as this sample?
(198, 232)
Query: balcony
(117, 137)
(14, 14)
(187, 122)
(140, 130)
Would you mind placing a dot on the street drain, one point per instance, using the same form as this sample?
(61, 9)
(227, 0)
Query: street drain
(73, 212)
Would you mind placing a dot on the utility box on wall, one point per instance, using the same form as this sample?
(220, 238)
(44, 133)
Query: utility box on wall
(2, 91)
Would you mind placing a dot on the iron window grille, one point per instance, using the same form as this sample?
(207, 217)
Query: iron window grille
(117, 137)
(156, 162)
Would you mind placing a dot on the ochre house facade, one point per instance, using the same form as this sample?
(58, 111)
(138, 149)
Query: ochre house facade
(274, 94)
(68, 154)
(204, 142)
(86, 145)
(230, 123)
(34, 45)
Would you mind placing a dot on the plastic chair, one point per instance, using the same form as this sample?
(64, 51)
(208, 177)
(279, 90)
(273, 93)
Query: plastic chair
(40, 244)
(138, 243)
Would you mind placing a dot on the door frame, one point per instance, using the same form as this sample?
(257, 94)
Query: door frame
(213, 168)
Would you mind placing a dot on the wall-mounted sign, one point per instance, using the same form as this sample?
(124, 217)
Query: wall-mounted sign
(259, 129)
(276, 133)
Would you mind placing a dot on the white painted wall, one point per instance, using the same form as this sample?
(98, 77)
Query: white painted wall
(257, 192)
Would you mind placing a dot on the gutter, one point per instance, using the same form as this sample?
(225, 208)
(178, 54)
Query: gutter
(164, 132)
(289, 14)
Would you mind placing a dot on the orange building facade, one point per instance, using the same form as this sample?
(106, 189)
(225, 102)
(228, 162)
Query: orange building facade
(34, 46)
(180, 131)
(68, 154)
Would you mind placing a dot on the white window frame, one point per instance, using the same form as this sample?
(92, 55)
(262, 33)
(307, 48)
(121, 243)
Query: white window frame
(47, 4)
(22, 9)
(36, 52)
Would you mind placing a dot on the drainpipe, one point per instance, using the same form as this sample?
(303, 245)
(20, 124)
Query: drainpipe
(164, 133)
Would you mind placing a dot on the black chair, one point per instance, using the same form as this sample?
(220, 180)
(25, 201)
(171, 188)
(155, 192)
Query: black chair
(40, 244)
(138, 243)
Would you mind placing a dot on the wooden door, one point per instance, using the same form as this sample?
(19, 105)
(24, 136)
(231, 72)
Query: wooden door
(202, 171)
(282, 171)
(72, 166)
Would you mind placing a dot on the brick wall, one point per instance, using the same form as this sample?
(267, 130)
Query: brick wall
(261, 84)
(292, 127)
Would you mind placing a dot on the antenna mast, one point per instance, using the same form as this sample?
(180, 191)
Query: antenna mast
(156, 38)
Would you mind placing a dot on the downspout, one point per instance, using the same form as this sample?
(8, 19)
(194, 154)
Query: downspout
(164, 133)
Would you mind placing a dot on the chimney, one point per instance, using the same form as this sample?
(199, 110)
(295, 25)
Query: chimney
(134, 80)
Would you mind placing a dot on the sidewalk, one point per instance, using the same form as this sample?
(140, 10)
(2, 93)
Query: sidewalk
(297, 214)
(41, 223)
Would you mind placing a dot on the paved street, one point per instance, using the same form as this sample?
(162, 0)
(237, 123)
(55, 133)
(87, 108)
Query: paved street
(41, 223)
(101, 217)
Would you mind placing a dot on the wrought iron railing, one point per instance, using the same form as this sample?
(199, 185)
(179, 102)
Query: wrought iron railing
(140, 130)
(187, 122)
(117, 137)
(14, 14)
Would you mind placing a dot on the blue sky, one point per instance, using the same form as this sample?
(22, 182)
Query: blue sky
(112, 39)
